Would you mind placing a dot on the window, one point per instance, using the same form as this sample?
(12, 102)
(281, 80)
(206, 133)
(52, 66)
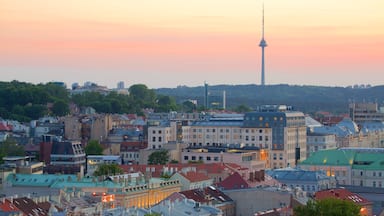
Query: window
(159, 131)
(193, 158)
(159, 139)
(260, 138)
(208, 158)
(153, 139)
(373, 184)
(153, 131)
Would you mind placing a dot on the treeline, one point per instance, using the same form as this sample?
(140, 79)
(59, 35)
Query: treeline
(24, 101)
(308, 99)
(139, 98)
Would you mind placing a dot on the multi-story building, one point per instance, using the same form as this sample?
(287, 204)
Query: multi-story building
(278, 130)
(88, 127)
(308, 181)
(351, 166)
(320, 141)
(363, 112)
(288, 133)
(65, 157)
(249, 157)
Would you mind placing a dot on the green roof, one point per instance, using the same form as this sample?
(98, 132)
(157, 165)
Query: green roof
(331, 157)
(369, 161)
(38, 180)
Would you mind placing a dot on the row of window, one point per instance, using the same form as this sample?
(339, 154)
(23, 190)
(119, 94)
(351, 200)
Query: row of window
(361, 173)
(200, 158)
(235, 130)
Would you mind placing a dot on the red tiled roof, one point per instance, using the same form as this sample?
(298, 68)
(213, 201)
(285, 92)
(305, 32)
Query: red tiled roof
(7, 206)
(343, 194)
(29, 207)
(206, 194)
(195, 176)
(4, 127)
(234, 181)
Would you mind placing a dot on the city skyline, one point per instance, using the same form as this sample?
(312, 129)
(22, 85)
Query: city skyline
(171, 43)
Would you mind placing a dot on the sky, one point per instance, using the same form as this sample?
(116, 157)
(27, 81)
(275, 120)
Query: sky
(168, 43)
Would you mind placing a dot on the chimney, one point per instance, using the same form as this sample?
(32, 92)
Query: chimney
(251, 177)
(262, 175)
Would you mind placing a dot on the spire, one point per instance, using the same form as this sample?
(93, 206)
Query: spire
(262, 44)
(262, 23)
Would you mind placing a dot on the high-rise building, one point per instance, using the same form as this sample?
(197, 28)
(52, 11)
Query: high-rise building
(289, 133)
(120, 85)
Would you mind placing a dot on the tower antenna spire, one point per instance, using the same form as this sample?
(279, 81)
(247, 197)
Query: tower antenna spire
(262, 24)
(262, 44)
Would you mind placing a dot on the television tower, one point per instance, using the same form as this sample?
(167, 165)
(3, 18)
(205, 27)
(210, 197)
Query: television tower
(262, 44)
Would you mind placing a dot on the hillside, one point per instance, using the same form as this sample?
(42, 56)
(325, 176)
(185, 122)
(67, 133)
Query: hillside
(308, 99)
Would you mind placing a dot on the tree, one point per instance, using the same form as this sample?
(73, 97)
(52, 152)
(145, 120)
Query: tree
(152, 214)
(60, 108)
(242, 108)
(108, 169)
(328, 207)
(165, 104)
(158, 157)
(10, 148)
(93, 148)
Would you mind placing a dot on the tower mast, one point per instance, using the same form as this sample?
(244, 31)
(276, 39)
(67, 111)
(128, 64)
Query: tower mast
(262, 44)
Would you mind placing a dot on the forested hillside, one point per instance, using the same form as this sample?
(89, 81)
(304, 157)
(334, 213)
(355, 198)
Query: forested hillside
(308, 99)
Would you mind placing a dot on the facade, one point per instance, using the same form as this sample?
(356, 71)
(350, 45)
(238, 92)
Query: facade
(192, 180)
(88, 127)
(130, 151)
(288, 133)
(350, 166)
(252, 200)
(368, 170)
(365, 112)
(319, 141)
(65, 157)
(249, 157)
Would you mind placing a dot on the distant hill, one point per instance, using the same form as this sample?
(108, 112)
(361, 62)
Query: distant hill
(308, 99)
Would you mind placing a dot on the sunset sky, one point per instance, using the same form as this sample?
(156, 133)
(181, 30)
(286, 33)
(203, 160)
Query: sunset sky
(166, 43)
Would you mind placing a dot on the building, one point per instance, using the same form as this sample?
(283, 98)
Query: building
(66, 156)
(192, 180)
(88, 127)
(94, 161)
(309, 181)
(350, 166)
(365, 112)
(249, 157)
(178, 204)
(212, 196)
(252, 200)
(288, 133)
(320, 141)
